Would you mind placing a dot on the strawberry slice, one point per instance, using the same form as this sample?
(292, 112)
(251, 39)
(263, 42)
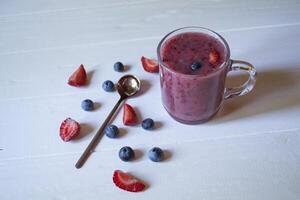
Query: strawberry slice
(129, 115)
(127, 182)
(150, 65)
(69, 129)
(78, 78)
(214, 57)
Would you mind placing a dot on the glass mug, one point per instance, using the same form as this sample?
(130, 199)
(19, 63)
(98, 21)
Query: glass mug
(196, 98)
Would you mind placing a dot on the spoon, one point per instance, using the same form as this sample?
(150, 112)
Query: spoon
(127, 86)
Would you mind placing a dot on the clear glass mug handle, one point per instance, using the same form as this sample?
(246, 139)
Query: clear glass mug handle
(248, 85)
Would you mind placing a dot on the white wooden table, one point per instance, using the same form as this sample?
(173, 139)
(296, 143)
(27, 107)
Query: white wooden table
(250, 150)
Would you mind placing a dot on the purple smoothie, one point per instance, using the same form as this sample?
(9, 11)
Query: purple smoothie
(192, 96)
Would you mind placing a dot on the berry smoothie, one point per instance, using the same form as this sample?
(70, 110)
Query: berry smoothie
(192, 74)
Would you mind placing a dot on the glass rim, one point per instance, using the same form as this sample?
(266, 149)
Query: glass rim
(218, 36)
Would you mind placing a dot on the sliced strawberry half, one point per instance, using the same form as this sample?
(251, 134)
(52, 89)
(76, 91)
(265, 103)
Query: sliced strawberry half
(214, 57)
(69, 129)
(129, 115)
(150, 65)
(127, 182)
(78, 78)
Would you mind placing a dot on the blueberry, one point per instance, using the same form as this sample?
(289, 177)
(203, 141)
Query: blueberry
(111, 131)
(196, 65)
(126, 153)
(119, 67)
(108, 86)
(87, 105)
(156, 154)
(148, 124)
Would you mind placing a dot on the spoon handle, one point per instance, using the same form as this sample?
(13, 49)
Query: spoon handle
(97, 137)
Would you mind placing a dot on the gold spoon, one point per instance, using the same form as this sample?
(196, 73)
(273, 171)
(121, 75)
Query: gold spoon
(127, 86)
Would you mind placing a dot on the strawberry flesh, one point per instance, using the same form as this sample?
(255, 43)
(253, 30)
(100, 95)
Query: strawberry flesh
(127, 182)
(214, 57)
(150, 65)
(69, 129)
(78, 78)
(129, 115)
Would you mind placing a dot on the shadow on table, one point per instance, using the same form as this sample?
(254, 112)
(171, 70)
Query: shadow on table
(145, 86)
(90, 75)
(275, 90)
(85, 130)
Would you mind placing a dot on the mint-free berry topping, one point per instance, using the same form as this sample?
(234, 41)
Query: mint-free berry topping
(214, 57)
(69, 129)
(156, 154)
(119, 67)
(150, 65)
(87, 105)
(108, 86)
(129, 115)
(196, 65)
(148, 124)
(127, 182)
(111, 131)
(126, 153)
(79, 77)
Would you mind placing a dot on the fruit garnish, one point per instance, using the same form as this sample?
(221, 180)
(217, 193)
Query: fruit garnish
(111, 131)
(87, 105)
(148, 124)
(150, 65)
(78, 78)
(129, 115)
(196, 65)
(127, 182)
(156, 154)
(214, 57)
(119, 67)
(69, 129)
(108, 86)
(126, 153)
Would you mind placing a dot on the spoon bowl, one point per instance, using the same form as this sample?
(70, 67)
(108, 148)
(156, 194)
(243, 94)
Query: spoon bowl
(128, 86)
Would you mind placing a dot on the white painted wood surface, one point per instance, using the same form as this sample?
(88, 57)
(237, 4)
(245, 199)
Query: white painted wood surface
(250, 150)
